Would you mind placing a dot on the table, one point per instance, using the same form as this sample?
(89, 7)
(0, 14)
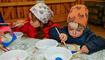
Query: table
(28, 44)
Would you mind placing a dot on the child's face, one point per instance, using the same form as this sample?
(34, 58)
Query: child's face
(34, 21)
(75, 30)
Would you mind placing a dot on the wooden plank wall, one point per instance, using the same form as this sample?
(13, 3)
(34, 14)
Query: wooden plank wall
(94, 0)
(13, 10)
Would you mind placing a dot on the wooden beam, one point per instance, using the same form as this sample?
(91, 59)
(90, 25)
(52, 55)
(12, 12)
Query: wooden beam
(33, 2)
(17, 4)
(59, 1)
(93, 0)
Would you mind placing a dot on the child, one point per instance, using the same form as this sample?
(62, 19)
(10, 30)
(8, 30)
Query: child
(77, 31)
(38, 23)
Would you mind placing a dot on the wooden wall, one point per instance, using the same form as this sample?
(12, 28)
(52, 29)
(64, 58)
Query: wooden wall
(94, 0)
(13, 10)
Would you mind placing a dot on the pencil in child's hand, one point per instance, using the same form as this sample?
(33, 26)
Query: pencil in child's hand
(16, 25)
(57, 31)
(76, 53)
(64, 38)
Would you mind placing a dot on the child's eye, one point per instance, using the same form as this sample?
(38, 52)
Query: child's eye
(35, 20)
(70, 28)
(79, 30)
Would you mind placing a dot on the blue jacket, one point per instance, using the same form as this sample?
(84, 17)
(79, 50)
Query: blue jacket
(88, 38)
(1, 19)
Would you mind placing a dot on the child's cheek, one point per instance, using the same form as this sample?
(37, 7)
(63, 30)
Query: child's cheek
(35, 25)
(79, 34)
(70, 33)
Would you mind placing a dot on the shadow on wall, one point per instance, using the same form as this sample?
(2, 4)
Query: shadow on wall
(1, 19)
(96, 15)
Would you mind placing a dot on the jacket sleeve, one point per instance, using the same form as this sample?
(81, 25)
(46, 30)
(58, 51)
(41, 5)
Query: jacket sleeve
(54, 34)
(47, 29)
(94, 43)
(22, 29)
(98, 43)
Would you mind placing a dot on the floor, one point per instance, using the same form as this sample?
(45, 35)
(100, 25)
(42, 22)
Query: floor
(98, 30)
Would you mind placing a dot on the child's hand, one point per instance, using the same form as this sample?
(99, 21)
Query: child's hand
(20, 23)
(44, 38)
(63, 37)
(84, 49)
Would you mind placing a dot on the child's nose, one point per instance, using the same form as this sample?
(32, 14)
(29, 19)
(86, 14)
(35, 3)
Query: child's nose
(74, 33)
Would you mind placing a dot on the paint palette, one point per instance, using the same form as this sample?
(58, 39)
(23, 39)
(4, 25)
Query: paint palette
(58, 53)
(7, 29)
(14, 55)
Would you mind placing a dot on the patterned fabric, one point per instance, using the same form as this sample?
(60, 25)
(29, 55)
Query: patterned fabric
(42, 12)
(78, 14)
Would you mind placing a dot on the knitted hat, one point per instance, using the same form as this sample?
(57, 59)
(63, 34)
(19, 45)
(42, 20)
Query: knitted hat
(78, 14)
(42, 12)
